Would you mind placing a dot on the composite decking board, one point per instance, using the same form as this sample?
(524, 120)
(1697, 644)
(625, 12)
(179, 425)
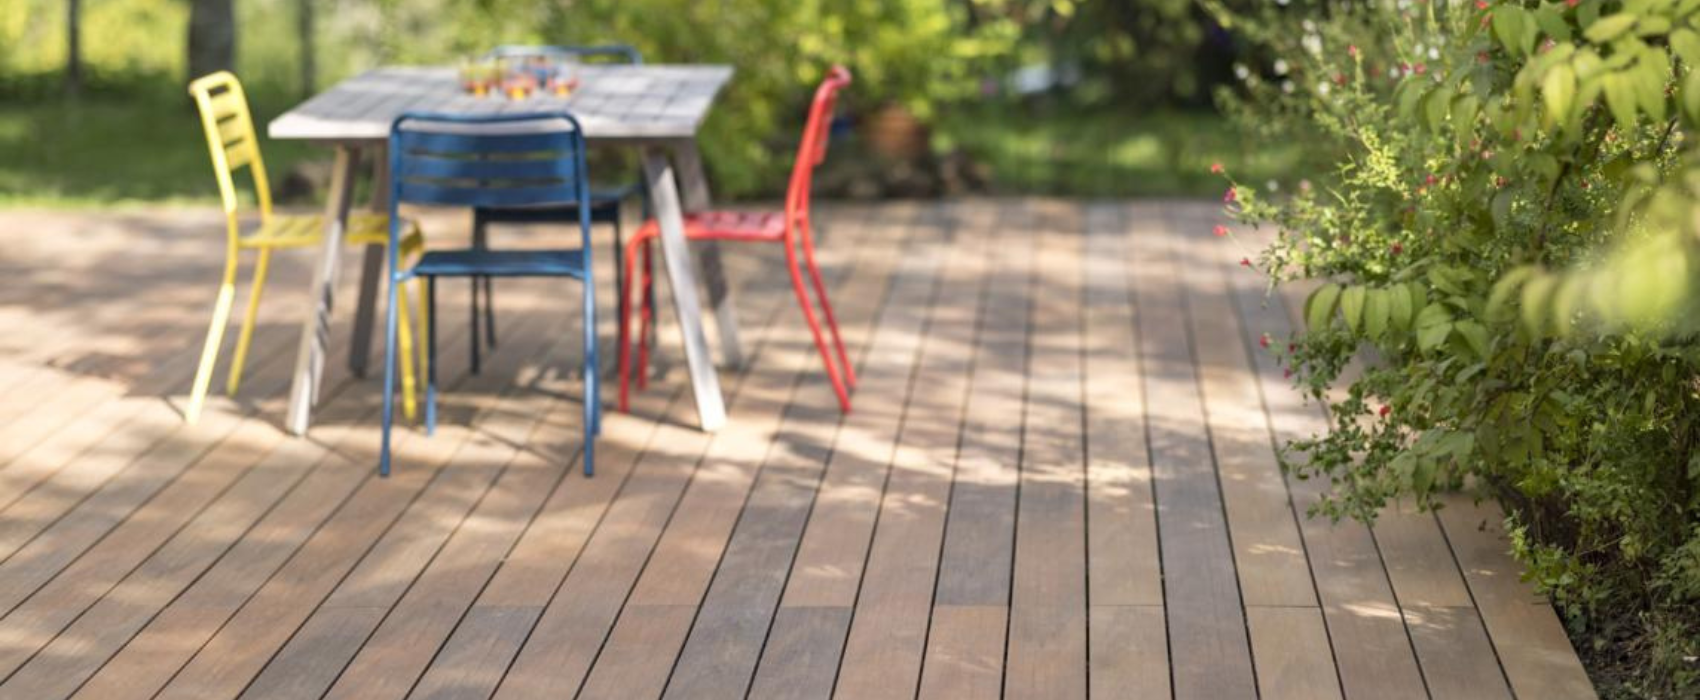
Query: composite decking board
(1457, 657)
(1269, 553)
(584, 608)
(833, 547)
(1047, 655)
(703, 541)
(398, 565)
(1533, 649)
(78, 557)
(1372, 650)
(247, 641)
(1452, 646)
(341, 459)
(1124, 568)
(220, 532)
(1284, 620)
(1127, 633)
(1209, 650)
(726, 640)
(975, 566)
(967, 635)
(965, 653)
(1285, 642)
(440, 583)
(879, 651)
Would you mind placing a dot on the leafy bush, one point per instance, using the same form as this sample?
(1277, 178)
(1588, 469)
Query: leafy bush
(1509, 233)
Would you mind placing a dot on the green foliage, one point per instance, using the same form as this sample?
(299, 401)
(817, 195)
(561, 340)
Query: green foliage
(1508, 234)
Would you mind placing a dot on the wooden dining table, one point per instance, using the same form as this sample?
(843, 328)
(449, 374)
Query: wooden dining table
(656, 109)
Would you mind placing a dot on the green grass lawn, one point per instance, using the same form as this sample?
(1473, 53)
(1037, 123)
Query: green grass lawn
(104, 151)
(1110, 152)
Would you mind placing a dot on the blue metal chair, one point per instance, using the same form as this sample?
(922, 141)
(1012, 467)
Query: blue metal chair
(518, 160)
(604, 201)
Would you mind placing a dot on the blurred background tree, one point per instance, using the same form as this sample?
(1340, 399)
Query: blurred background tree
(1057, 96)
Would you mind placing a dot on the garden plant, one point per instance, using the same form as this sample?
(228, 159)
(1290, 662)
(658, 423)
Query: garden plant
(1504, 262)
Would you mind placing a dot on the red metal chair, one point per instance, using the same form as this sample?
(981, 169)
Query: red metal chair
(790, 227)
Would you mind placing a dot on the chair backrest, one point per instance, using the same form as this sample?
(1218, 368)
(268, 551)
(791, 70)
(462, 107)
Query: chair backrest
(231, 139)
(619, 53)
(504, 160)
(812, 150)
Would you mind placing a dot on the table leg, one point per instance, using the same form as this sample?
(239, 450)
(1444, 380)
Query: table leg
(371, 270)
(315, 328)
(676, 255)
(694, 189)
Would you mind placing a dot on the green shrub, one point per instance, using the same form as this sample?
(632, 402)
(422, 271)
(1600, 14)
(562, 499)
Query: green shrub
(1509, 232)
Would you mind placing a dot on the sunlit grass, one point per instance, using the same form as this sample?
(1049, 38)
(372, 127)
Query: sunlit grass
(104, 151)
(1110, 152)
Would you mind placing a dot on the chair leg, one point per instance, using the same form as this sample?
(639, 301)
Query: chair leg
(622, 304)
(647, 317)
(430, 355)
(475, 325)
(425, 328)
(215, 338)
(246, 335)
(832, 373)
(592, 385)
(625, 337)
(489, 312)
(404, 337)
(390, 328)
(844, 363)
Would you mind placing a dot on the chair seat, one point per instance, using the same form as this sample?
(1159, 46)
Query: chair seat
(295, 231)
(500, 263)
(729, 225)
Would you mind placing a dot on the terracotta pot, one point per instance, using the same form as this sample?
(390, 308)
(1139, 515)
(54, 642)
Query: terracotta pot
(894, 132)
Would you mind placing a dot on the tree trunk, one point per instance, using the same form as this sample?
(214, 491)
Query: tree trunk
(73, 47)
(212, 36)
(304, 42)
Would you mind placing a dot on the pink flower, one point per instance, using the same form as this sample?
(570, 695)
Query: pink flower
(1352, 50)
(1216, 168)
(1481, 4)
(1398, 248)
(1420, 68)
(1220, 230)
(1230, 196)
(1385, 410)
(1245, 262)
(1263, 341)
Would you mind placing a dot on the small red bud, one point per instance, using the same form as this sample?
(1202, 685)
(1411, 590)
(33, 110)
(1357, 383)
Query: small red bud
(1216, 169)
(1386, 410)
(1230, 196)
(1220, 230)
(1245, 262)
(1263, 341)
(1398, 248)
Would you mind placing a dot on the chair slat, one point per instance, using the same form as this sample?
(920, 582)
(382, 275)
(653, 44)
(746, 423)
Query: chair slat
(461, 168)
(449, 144)
(227, 104)
(239, 155)
(425, 193)
(232, 130)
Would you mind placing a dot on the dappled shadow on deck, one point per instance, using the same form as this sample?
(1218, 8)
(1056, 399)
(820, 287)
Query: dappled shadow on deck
(1059, 478)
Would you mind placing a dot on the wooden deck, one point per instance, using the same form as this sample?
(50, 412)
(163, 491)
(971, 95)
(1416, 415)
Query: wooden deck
(1059, 480)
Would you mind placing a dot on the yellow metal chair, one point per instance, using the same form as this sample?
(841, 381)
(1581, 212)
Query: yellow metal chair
(233, 144)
